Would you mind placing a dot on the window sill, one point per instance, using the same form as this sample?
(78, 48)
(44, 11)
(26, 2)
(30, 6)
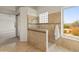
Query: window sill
(76, 38)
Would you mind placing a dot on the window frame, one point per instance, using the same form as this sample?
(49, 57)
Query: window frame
(62, 27)
(43, 16)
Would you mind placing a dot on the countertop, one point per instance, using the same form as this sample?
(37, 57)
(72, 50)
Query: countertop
(38, 30)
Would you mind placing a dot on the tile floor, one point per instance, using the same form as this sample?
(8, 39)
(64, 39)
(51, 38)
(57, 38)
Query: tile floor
(25, 47)
(54, 48)
(8, 45)
(14, 45)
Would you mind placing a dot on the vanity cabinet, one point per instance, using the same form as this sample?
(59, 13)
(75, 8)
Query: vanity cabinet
(38, 38)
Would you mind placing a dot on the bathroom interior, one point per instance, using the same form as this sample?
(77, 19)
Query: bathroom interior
(37, 29)
(44, 28)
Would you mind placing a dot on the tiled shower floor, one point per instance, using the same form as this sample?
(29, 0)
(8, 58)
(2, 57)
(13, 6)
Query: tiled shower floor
(54, 48)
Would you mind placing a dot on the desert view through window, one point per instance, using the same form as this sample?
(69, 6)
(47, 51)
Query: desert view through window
(71, 21)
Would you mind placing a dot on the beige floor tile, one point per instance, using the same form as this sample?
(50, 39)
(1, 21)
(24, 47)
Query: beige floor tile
(25, 47)
(55, 48)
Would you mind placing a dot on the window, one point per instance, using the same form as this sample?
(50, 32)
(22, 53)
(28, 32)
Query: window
(43, 17)
(71, 22)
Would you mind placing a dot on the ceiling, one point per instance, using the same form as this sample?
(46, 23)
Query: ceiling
(40, 9)
(50, 9)
(8, 9)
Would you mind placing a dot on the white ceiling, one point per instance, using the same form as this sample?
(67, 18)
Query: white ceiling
(8, 9)
(40, 9)
(50, 9)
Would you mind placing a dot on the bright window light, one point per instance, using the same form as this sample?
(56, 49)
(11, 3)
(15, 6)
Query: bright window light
(71, 22)
(43, 17)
